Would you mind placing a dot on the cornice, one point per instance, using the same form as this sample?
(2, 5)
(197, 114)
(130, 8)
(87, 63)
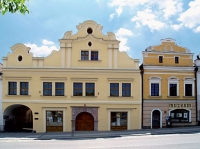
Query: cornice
(167, 68)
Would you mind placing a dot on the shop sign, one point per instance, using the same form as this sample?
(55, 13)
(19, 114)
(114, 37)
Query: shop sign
(180, 105)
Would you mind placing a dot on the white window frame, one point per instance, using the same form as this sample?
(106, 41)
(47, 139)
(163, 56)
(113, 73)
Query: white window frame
(189, 80)
(89, 54)
(173, 80)
(155, 79)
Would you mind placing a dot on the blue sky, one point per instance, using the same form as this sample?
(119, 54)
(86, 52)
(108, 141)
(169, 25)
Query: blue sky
(136, 23)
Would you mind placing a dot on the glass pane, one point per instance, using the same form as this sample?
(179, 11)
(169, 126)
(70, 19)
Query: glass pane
(54, 118)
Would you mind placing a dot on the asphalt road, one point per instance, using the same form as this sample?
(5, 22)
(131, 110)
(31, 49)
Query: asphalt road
(170, 141)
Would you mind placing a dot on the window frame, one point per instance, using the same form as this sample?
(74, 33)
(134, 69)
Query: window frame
(60, 89)
(26, 88)
(115, 89)
(78, 89)
(126, 90)
(89, 88)
(94, 54)
(188, 81)
(47, 89)
(176, 60)
(84, 56)
(13, 88)
(173, 80)
(160, 59)
(155, 80)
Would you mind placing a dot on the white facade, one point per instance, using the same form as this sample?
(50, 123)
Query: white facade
(1, 115)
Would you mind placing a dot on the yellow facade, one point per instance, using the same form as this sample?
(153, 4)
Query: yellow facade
(85, 58)
(168, 79)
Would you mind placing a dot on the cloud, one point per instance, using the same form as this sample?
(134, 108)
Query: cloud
(177, 26)
(119, 10)
(191, 17)
(197, 30)
(121, 35)
(111, 16)
(43, 50)
(147, 18)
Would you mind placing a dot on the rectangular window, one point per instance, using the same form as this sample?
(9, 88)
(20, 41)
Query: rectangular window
(94, 55)
(176, 60)
(118, 121)
(126, 89)
(47, 88)
(188, 89)
(154, 89)
(114, 89)
(173, 89)
(12, 88)
(59, 88)
(54, 121)
(23, 88)
(89, 89)
(78, 89)
(84, 55)
(160, 59)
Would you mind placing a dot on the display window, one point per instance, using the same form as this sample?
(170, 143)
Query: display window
(180, 115)
(118, 120)
(54, 121)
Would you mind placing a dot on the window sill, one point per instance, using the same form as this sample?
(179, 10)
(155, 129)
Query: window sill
(121, 96)
(154, 96)
(90, 60)
(19, 95)
(173, 96)
(188, 96)
(83, 96)
(52, 96)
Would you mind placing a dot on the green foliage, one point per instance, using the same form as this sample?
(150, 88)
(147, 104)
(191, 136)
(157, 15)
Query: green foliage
(13, 6)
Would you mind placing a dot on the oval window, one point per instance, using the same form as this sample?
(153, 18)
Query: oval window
(89, 30)
(89, 44)
(19, 58)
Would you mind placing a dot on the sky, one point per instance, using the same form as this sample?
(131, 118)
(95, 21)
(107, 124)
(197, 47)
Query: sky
(138, 24)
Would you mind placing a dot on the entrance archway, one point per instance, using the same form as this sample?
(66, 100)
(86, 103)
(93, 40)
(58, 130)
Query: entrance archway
(84, 122)
(18, 118)
(156, 119)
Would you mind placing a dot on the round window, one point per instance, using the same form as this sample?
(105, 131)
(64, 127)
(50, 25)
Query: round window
(19, 58)
(89, 44)
(89, 30)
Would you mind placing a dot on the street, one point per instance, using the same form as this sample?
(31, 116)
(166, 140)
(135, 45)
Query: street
(172, 141)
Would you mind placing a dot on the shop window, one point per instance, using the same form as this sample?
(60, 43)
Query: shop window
(173, 89)
(90, 89)
(126, 89)
(54, 121)
(94, 55)
(59, 88)
(114, 89)
(12, 88)
(180, 115)
(160, 59)
(78, 90)
(84, 55)
(47, 88)
(154, 89)
(118, 120)
(23, 88)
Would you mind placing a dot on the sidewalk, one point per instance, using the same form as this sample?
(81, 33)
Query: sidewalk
(97, 134)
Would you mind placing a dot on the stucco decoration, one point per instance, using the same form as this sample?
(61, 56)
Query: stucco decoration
(168, 48)
(112, 35)
(20, 46)
(89, 23)
(67, 34)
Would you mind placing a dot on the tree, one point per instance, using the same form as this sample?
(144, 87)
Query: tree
(13, 6)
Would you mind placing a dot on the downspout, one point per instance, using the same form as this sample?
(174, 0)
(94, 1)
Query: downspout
(196, 69)
(142, 74)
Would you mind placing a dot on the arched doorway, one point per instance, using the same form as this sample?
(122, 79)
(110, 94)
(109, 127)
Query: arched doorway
(18, 118)
(156, 119)
(84, 122)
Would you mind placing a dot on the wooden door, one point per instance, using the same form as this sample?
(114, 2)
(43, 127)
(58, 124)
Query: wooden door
(84, 122)
(156, 119)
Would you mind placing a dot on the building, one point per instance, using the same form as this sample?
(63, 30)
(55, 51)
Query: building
(1, 115)
(168, 81)
(197, 70)
(87, 85)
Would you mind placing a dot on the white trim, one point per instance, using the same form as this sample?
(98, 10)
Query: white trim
(54, 109)
(119, 110)
(189, 81)
(68, 57)
(173, 80)
(155, 79)
(160, 117)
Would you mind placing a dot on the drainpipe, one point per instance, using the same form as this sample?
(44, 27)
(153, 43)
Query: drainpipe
(142, 74)
(196, 70)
